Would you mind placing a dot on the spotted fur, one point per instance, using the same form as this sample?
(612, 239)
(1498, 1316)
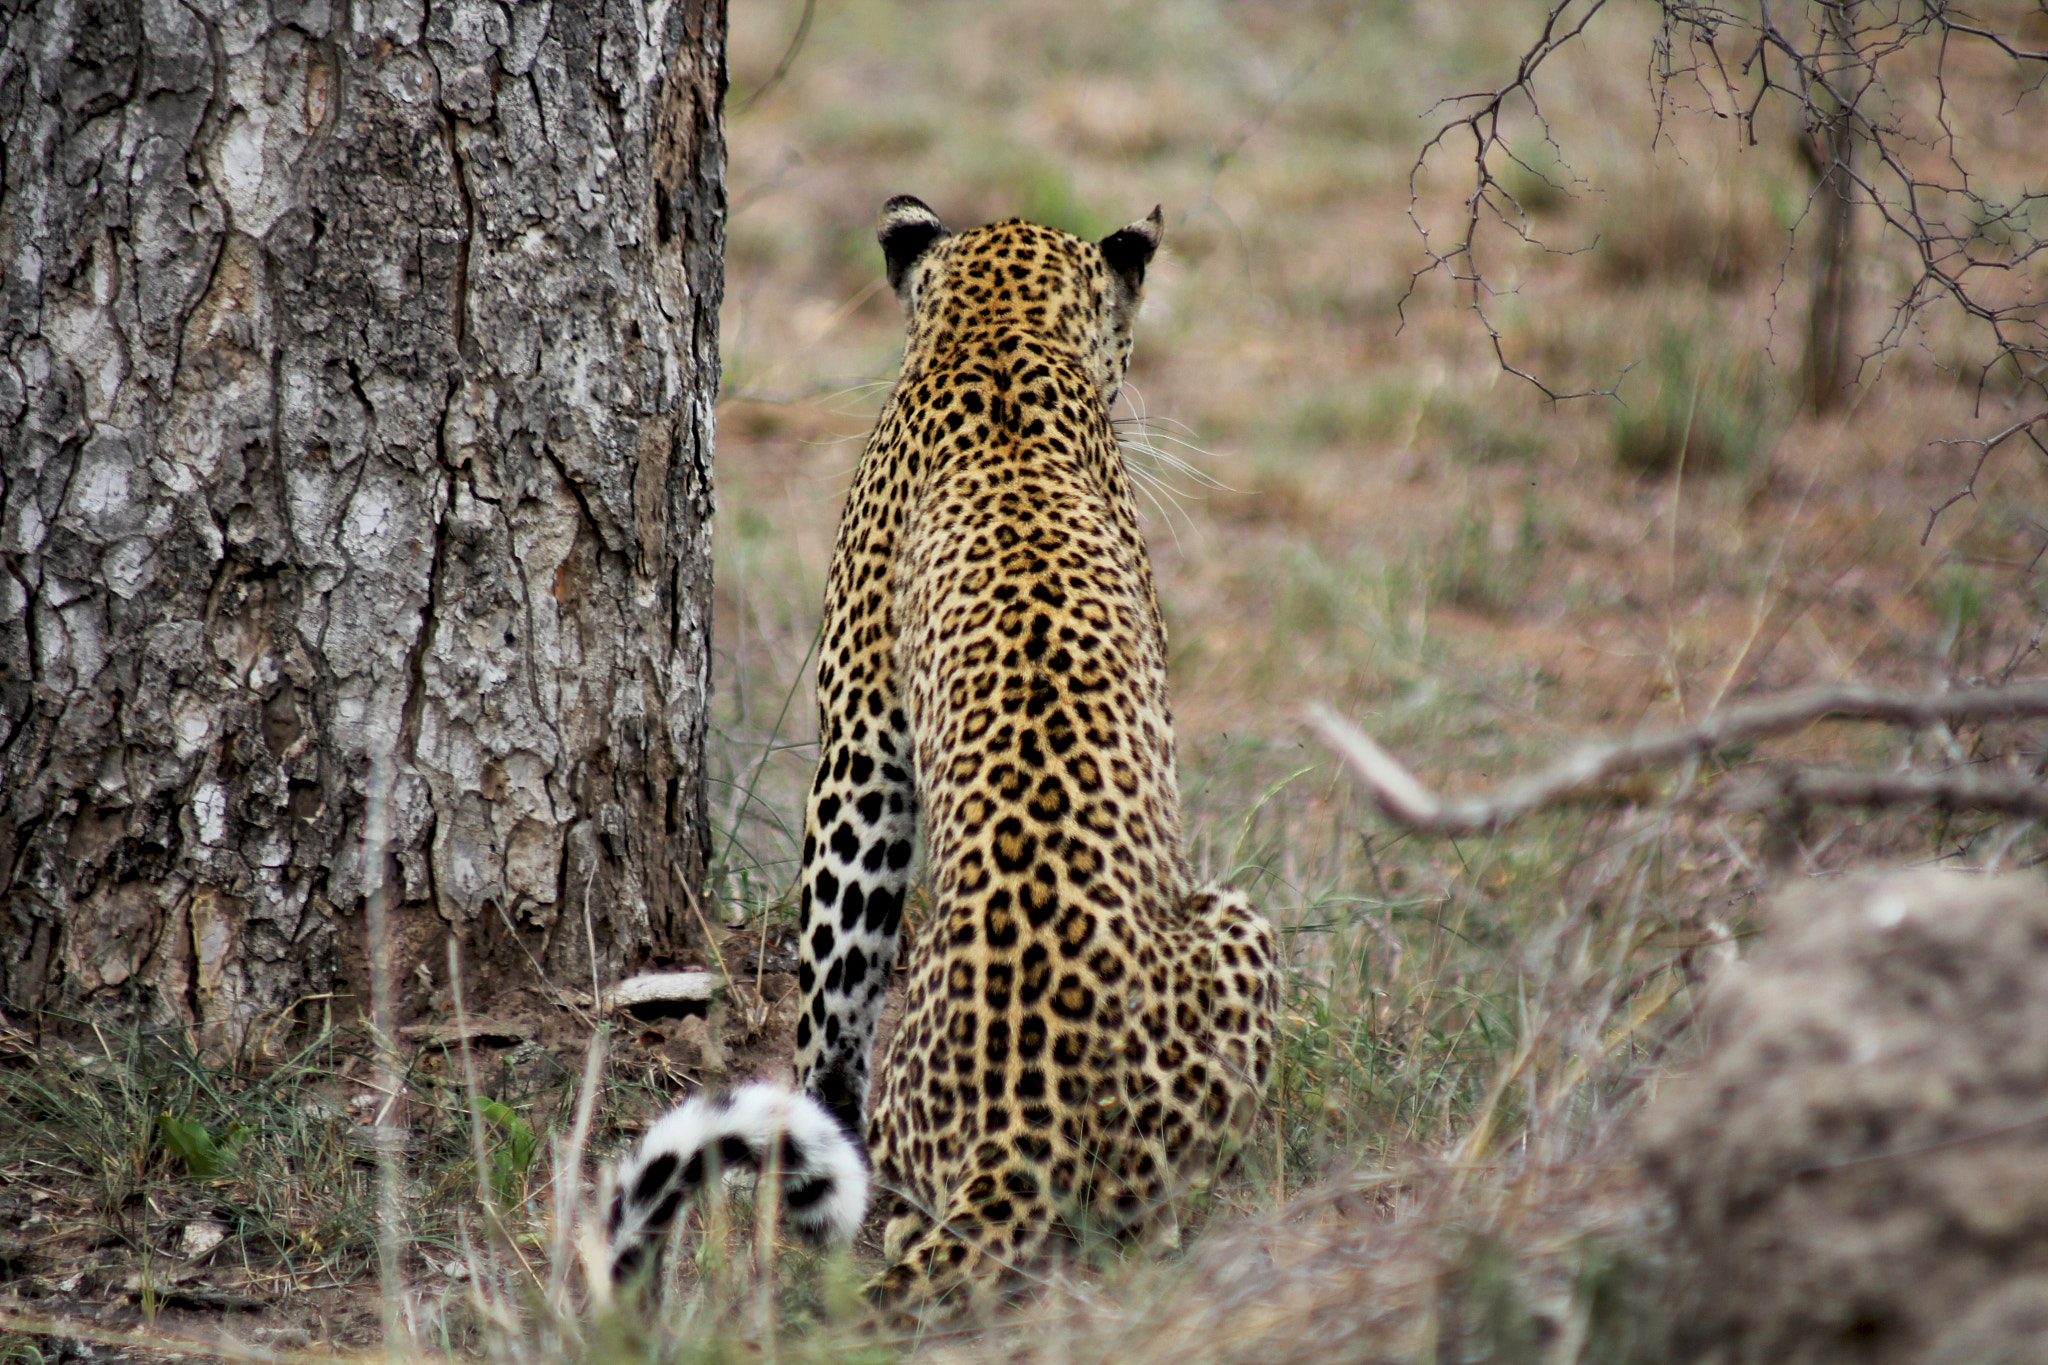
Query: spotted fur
(1084, 1034)
(752, 1129)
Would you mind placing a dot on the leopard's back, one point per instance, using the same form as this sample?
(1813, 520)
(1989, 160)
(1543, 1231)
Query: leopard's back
(1081, 1032)
(1084, 1035)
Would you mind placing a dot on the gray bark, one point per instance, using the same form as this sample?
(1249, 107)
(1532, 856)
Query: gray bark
(356, 371)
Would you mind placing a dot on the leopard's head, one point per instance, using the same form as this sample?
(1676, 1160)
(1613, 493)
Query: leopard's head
(1018, 276)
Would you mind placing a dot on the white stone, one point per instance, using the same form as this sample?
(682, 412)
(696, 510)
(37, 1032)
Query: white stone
(650, 987)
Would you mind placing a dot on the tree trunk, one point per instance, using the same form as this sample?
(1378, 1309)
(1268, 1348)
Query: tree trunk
(1830, 314)
(356, 371)
(1830, 149)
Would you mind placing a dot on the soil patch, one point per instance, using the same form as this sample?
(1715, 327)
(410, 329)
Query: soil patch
(1861, 1161)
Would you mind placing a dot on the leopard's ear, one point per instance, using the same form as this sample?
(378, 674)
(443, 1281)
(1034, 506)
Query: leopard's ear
(906, 231)
(1129, 249)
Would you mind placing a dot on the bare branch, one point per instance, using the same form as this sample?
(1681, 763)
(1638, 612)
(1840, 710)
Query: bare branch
(1984, 449)
(796, 45)
(1582, 775)
(1854, 72)
(2018, 794)
(1491, 201)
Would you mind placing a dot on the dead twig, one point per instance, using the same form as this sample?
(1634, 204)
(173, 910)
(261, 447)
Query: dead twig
(1487, 115)
(1582, 775)
(1968, 789)
(796, 45)
(1984, 449)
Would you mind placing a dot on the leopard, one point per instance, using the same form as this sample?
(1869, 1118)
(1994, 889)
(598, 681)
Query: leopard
(1085, 1035)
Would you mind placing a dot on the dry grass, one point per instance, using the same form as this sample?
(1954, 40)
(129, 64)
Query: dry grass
(1370, 514)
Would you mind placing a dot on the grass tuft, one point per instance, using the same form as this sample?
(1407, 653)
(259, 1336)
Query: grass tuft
(1697, 408)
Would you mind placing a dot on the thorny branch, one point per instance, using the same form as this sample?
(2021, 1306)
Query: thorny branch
(2029, 426)
(1586, 774)
(1888, 75)
(1490, 200)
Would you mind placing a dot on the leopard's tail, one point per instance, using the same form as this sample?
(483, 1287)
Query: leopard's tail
(755, 1127)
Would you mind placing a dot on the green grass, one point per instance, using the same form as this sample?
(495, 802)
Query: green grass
(260, 1144)
(1699, 408)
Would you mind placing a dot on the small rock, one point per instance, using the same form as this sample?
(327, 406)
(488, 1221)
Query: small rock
(200, 1236)
(659, 995)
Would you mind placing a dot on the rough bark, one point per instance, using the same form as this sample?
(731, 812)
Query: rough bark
(355, 439)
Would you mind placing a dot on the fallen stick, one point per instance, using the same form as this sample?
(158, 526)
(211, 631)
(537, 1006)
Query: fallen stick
(1581, 774)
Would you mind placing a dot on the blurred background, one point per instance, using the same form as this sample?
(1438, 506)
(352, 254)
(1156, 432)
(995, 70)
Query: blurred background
(1353, 502)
